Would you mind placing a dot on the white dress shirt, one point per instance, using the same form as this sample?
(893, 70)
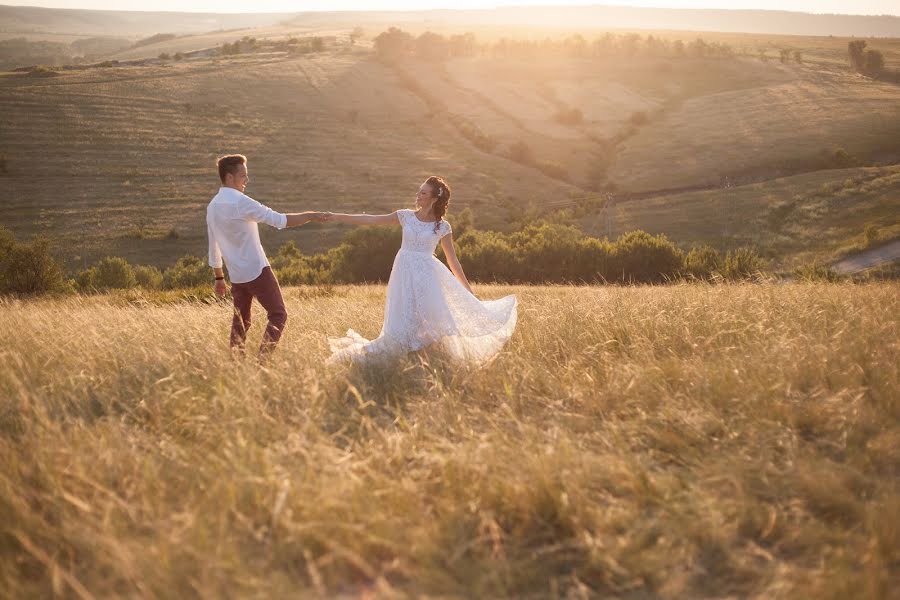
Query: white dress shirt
(231, 219)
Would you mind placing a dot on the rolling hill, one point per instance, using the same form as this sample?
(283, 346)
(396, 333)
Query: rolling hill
(117, 158)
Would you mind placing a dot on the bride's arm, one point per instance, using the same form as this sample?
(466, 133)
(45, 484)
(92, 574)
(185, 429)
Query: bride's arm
(389, 219)
(453, 262)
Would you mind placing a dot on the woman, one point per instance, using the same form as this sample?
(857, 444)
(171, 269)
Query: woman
(426, 303)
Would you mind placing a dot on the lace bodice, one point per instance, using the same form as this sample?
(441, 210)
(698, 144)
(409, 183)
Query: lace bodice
(419, 236)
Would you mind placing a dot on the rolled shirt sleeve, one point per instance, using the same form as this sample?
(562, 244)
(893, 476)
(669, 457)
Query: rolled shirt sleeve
(251, 210)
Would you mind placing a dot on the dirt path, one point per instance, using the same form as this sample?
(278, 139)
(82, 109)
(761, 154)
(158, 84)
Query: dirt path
(868, 258)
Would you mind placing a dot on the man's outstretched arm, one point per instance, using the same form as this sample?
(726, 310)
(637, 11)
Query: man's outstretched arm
(297, 219)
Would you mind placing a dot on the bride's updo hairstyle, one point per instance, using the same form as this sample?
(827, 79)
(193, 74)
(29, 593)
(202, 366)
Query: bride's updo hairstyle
(441, 192)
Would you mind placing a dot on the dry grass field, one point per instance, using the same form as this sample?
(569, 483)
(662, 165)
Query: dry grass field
(118, 160)
(630, 442)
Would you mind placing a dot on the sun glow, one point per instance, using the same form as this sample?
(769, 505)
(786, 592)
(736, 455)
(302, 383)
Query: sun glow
(871, 7)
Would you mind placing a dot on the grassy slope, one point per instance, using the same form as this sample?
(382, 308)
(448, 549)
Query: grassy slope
(678, 442)
(812, 217)
(340, 131)
(138, 147)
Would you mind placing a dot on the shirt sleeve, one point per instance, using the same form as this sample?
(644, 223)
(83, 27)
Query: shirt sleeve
(251, 210)
(215, 253)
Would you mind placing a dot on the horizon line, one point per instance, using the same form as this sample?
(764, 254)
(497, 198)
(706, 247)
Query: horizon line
(456, 10)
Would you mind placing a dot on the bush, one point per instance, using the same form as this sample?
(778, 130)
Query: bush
(393, 44)
(871, 235)
(86, 280)
(189, 271)
(642, 258)
(743, 263)
(31, 269)
(366, 254)
(521, 153)
(149, 278)
(114, 273)
(816, 272)
(702, 262)
(7, 241)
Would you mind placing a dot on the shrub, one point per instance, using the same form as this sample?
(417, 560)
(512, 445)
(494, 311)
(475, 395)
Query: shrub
(188, 271)
(871, 235)
(521, 153)
(366, 254)
(114, 273)
(31, 269)
(874, 61)
(702, 262)
(642, 258)
(86, 280)
(393, 44)
(165, 56)
(7, 241)
(816, 272)
(148, 277)
(743, 263)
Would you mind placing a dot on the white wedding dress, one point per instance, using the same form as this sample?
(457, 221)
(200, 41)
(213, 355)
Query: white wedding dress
(427, 305)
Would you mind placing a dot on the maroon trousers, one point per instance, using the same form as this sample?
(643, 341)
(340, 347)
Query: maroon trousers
(267, 292)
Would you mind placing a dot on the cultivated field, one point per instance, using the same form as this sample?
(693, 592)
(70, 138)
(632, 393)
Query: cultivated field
(117, 160)
(815, 217)
(679, 442)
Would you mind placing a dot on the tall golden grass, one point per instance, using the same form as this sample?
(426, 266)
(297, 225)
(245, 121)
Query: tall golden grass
(668, 442)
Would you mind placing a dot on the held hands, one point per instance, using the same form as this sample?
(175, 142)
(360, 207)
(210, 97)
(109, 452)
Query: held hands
(320, 217)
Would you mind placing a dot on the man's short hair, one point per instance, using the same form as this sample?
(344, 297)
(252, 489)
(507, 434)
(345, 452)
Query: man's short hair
(229, 164)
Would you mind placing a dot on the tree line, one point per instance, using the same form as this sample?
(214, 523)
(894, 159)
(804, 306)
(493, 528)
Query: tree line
(396, 44)
(539, 253)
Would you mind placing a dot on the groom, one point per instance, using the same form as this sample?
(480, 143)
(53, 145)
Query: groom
(231, 222)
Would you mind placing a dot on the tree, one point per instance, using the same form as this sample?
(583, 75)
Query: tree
(798, 57)
(874, 61)
(393, 44)
(432, 47)
(31, 269)
(856, 53)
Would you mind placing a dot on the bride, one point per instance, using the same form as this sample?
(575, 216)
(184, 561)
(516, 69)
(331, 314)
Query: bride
(426, 303)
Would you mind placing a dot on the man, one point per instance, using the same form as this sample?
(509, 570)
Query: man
(231, 221)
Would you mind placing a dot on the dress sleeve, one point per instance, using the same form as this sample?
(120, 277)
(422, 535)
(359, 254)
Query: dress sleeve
(445, 228)
(402, 215)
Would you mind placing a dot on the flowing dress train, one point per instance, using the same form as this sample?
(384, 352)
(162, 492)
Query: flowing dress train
(427, 305)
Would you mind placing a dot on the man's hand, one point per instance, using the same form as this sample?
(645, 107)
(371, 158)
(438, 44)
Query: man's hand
(221, 288)
(298, 219)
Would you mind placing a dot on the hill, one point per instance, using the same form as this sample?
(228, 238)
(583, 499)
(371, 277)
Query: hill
(132, 143)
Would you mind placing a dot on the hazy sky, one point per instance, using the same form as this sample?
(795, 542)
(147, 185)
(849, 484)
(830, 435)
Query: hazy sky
(859, 7)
